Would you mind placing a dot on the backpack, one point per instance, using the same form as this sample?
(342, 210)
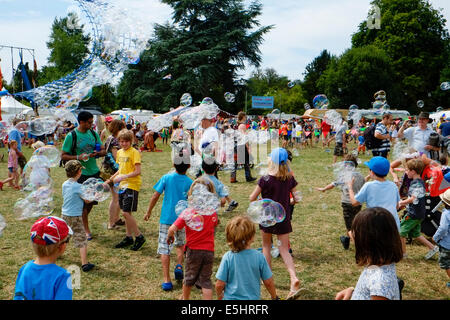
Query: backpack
(74, 144)
(370, 140)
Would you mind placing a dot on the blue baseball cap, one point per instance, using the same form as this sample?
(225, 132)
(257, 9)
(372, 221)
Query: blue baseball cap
(379, 165)
(279, 156)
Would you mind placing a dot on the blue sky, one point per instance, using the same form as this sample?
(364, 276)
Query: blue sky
(303, 28)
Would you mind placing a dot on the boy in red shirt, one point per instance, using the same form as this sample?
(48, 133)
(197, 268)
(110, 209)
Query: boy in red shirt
(199, 248)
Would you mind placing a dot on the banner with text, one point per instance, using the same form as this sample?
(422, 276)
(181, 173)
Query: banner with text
(262, 102)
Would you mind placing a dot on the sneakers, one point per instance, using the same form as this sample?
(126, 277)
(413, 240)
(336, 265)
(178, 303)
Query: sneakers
(345, 242)
(140, 240)
(127, 241)
(1, 185)
(87, 267)
(431, 253)
(251, 179)
(448, 284)
(178, 272)
(233, 205)
(401, 285)
(167, 286)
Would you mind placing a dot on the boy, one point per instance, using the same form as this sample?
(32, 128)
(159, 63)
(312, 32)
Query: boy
(72, 210)
(176, 186)
(415, 208)
(380, 192)
(442, 235)
(242, 268)
(222, 192)
(42, 279)
(349, 211)
(129, 177)
(199, 248)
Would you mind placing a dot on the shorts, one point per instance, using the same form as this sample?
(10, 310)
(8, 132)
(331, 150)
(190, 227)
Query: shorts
(198, 268)
(383, 154)
(338, 150)
(163, 246)
(349, 212)
(79, 238)
(410, 227)
(286, 137)
(81, 180)
(128, 200)
(444, 258)
(12, 169)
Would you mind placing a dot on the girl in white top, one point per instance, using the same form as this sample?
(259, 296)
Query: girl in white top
(378, 248)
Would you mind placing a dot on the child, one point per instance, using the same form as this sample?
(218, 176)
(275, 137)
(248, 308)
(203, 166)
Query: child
(278, 186)
(72, 210)
(199, 248)
(348, 210)
(361, 143)
(42, 279)
(442, 235)
(13, 165)
(415, 208)
(175, 186)
(379, 193)
(378, 248)
(210, 171)
(129, 177)
(242, 268)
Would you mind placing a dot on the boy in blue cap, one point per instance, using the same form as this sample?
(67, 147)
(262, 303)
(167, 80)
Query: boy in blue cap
(380, 192)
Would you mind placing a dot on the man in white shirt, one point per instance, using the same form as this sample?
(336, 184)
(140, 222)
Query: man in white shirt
(419, 135)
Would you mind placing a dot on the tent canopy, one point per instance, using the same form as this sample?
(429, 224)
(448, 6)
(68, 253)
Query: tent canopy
(11, 107)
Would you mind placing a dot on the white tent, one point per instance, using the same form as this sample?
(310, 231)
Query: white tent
(11, 107)
(437, 115)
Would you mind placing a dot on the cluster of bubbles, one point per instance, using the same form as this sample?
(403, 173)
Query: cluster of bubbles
(94, 189)
(206, 110)
(36, 181)
(118, 38)
(321, 102)
(266, 212)
(2, 224)
(445, 86)
(343, 173)
(333, 118)
(201, 203)
(402, 151)
(38, 126)
(158, 123)
(380, 102)
(229, 97)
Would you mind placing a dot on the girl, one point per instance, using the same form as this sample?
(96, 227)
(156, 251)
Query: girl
(378, 248)
(13, 164)
(278, 186)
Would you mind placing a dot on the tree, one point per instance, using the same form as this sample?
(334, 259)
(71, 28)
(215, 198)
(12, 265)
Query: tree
(204, 49)
(413, 35)
(313, 72)
(355, 76)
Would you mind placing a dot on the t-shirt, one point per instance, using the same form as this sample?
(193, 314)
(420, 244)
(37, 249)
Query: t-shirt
(242, 272)
(418, 138)
(13, 159)
(339, 134)
(325, 127)
(361, 140)
(385, 144)
(445, 128)
(72, 202)
(417, 210)
(175, 187)
(377, 281)
(43, 282)
(85, 144)
(380, 194)
(357, 185)
(221, 191)
(200, 240)
(442, 235)
(209, 136)
(16, 135)
(127, 160)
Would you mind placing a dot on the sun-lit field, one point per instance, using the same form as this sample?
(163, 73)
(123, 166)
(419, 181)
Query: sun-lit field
(323, 266)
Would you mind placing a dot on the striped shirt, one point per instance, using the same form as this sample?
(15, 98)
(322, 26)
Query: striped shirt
(385, 144)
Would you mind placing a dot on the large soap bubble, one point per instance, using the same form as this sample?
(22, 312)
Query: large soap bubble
(229, 97)
(186, 100)
(2, 224)
(203, 201)
(321, 102)
(41, 126)
(94, 189)
(207, 100)
(333, 118)
(266, 212)
(378, 105)
(445, 86)
(343, 172)
(52, 154)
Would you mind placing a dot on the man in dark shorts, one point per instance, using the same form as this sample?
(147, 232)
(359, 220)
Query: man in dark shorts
(88, 147)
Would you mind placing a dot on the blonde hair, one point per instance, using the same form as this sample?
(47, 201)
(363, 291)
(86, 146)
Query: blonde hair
(13, 142)
(48, 250)
(126, 135)
(279, 171)
(239, 231)
(206, 182)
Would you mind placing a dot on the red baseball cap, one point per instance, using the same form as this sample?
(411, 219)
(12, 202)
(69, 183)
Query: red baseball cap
(49, 230)
(109, 119)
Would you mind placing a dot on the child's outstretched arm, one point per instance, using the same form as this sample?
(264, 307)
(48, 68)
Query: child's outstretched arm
(328, 187)
(270, 286)
(220, 289)
(406, 201)
(154, 199)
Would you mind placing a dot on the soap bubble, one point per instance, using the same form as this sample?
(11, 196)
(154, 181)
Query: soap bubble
(353, 107)
(445, 86)
(378, 105)
(307, 106)
(196, 222)
(120, 187)
(295, 152)
(321, 102)
(207, 100)
(333, 118)
(343, 173)
(186, 100)
(203, 201)
(420, 104)
(51, 153)
(274, 252)
(34, 178)
(439, 109)
(2, 224)
(230, 97)
(41, 126)
(34, 205)
(298, 196)
(266, 212)
(291, 84)
(94, 189)
(23, 126)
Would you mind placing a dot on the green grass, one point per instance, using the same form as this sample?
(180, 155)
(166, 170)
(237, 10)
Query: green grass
(322, 265)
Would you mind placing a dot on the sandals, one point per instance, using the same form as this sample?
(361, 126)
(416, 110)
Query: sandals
(293, 295)
(178, 272)
(89, 237)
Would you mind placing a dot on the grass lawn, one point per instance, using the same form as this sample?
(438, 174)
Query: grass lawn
(322, 265)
